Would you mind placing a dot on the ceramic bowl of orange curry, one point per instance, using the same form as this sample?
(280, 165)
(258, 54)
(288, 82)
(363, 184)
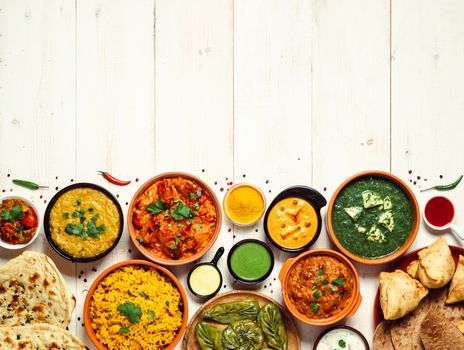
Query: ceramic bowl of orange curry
(320, 287)
(293, 222)
(174, 218)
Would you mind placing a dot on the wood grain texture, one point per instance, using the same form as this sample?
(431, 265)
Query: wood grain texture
(350, 109)
(272, 106)
(194, 100)
(428, 98)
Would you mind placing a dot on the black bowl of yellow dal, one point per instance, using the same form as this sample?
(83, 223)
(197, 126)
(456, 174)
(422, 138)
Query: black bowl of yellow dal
(293, 222)
(83, 222)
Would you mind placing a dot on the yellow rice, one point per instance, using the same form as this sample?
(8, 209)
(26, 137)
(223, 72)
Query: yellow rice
(149, 290)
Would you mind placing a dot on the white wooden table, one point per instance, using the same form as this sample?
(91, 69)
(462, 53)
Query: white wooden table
(275, 92)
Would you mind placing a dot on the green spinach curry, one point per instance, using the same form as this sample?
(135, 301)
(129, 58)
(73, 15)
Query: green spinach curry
(372, 217)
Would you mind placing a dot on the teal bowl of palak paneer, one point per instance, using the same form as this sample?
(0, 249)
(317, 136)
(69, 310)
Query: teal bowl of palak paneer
(373, 217)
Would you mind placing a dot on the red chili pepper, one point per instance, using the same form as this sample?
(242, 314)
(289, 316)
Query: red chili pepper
(113, 180)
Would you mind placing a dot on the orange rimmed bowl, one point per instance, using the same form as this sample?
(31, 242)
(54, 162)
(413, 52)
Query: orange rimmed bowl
(88, 299)
(350, 308)
(155, 257)
(412, 235)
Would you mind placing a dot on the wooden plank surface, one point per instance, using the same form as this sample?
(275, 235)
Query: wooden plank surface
(194, 101)
(350, 110)
(272, 92)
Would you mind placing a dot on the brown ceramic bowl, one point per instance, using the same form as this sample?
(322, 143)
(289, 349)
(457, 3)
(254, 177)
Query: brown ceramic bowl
(402, 249)
(181, 261)
(349, 310)
(88, 319)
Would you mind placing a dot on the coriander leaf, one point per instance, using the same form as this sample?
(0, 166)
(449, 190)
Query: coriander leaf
(198, 227)
(145, 326)
(74, 229)
(325, 282)
(172, 247)
(339, 281)
(78, 202)
(130, 293)
(124, 330)
(16, 212)
(191, 195)
(177, 238)
(95, 217)
(196, 206)
(314, 287)
(153, 209)
(75, 214)
(140, 239)
(151, 315)
(342, 343)
(180, 225)
(315, 307)
(92, 230)
(132, 311)
(144, 295)
(199, 193)
(175, 200)
(189, 221)
(101, 228)
(181, 211)
(318, 279)
(321, 272)
(65, 216)
(6, 216)
(316, 294)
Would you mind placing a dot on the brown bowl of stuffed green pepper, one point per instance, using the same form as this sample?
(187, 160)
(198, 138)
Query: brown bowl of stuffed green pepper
(244, 315)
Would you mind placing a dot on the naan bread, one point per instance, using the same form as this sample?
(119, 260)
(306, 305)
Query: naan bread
(438, 333)
(382, 337)
(399, 294)
(436, 264)
(456, 289)
(32, 291)
(38, 337)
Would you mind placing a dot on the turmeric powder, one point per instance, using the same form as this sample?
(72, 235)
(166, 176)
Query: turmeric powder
(244, 204)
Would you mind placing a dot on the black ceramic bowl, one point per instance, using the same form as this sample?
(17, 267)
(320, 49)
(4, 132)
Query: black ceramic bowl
(308, 194)
(240, 279)
(52, 202)
(363, 339)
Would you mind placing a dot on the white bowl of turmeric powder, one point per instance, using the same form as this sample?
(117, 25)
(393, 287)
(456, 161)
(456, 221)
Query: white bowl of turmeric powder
(244, 204)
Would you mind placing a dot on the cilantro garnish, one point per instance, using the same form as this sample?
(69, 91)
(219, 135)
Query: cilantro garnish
(156, 208)
(132, 311)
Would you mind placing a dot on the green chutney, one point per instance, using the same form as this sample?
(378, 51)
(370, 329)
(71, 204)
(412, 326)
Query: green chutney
(250, 261)
(364, 235)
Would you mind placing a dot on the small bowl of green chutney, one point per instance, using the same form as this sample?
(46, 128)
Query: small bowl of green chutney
(373, 217)
(250, 261)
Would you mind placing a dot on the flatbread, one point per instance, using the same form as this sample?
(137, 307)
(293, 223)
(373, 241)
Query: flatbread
(438, 333)
(34, 291)
(382, 337)
(38, 337)
(402, 330)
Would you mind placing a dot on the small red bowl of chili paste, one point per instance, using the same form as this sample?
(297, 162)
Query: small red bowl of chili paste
(439, 212)
(19, 222)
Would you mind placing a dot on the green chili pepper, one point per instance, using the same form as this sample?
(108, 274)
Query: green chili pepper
(28, 184)
(445, 187)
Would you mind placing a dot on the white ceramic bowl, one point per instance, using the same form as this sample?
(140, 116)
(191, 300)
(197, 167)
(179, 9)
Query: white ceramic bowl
(36, 234)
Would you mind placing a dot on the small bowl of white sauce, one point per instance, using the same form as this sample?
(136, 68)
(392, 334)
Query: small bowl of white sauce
(341, 338)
